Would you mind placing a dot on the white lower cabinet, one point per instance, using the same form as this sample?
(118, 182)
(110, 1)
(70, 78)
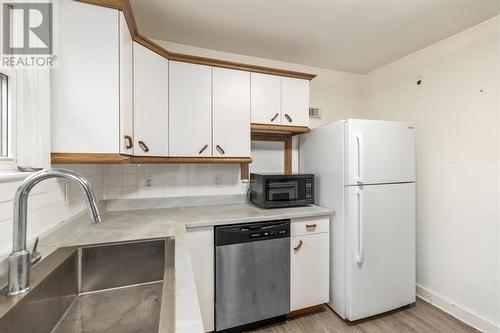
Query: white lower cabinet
(309, 269)
(201, 249)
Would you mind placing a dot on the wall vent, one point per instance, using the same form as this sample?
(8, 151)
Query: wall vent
(314, 113)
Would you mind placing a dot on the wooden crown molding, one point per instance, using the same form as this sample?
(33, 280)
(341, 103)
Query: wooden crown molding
(124, 5)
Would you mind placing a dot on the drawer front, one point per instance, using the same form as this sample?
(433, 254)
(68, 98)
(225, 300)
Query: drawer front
(310, 225)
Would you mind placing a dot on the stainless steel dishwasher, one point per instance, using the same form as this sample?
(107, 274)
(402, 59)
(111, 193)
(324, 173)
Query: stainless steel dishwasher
(252, 275)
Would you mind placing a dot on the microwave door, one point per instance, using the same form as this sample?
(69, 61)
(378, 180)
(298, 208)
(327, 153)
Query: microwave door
(282, 191)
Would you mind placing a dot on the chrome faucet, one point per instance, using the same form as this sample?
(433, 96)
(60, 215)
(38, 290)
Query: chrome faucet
(20, 260)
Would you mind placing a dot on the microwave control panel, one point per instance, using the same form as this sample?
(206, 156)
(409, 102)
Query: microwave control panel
(309, 186)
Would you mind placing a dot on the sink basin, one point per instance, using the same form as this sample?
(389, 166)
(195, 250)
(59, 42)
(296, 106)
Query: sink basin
(114, 287)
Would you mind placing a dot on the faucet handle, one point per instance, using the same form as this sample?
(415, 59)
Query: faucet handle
(35, 256)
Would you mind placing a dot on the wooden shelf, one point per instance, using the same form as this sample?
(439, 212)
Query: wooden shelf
(284, 129)
(85, 158)
(188, 160)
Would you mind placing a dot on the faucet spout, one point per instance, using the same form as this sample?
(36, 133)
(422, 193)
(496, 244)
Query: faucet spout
(19, 262)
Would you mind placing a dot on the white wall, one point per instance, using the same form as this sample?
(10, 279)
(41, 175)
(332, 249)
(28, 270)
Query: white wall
(456, 111)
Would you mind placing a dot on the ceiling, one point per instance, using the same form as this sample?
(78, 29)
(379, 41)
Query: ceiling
(349, 35)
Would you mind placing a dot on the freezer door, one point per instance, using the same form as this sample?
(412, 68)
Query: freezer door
(380, 263)
(379, 152)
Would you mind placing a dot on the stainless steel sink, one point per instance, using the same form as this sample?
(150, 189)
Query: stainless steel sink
(114, 287)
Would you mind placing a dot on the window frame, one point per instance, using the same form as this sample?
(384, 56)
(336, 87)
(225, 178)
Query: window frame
(8, 163)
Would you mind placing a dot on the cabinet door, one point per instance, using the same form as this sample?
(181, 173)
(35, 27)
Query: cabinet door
(190, 109)
(85, 83)
(150, 103)
(126, 89)
(294, 102)
(201, 250)
(231, 113)
(265, 98)
(309, 278)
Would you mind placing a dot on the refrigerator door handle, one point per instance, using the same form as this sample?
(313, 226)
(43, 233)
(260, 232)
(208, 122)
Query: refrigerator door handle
(359, 143)
(359, 246)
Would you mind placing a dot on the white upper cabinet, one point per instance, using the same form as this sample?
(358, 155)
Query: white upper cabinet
(150, 103)
(231, 113)
(126, 89)
(266, 99)
(85, 101)
(190, 109)
(294, 101)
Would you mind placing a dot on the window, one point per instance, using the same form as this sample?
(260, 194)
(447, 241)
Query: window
(8, 86)
(4, 116)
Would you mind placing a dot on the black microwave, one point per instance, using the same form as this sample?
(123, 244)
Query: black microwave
(280, 190)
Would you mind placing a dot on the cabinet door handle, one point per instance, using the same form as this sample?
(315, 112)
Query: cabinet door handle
(311, 226)
(220, 150)
(298, 246)
(144, 146)
(129, 143)
(203, 149)
(287, 116)
(275, 116)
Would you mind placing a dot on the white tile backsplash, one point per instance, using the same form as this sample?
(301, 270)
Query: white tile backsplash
(171, 180)
(50, 203)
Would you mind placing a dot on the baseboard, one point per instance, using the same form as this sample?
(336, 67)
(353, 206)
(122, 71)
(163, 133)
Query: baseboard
(306, 311)
(457, 311)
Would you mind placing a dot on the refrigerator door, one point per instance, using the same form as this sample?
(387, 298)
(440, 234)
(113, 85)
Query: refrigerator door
(379, 152)
(380, 260)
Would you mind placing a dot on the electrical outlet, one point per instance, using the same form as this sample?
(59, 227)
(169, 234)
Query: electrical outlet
(148, 182)
(217, 179)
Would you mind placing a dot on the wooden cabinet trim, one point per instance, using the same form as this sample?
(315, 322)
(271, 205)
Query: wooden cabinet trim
(293, 130)
(276, 137)
(188, 160)
(124, 5)
(88, 158)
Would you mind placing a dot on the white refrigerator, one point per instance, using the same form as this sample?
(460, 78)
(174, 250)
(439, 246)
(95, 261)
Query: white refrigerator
(365, 172)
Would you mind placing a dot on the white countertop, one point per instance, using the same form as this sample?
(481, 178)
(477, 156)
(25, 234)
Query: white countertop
(140, 224)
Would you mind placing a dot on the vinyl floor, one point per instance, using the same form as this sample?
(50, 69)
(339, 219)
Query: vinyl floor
(422, 318)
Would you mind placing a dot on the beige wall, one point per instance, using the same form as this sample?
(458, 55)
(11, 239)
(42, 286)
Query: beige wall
(456, 111)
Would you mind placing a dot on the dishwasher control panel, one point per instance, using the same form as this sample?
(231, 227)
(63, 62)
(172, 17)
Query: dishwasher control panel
(250, 232)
